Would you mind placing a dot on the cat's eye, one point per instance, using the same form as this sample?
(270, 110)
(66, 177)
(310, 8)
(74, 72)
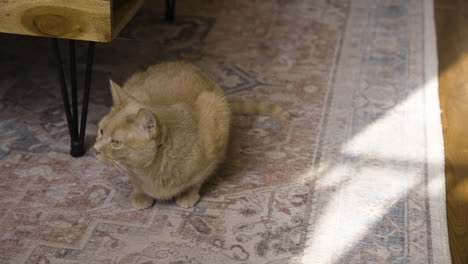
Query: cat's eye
(116, 143)
(101, 132)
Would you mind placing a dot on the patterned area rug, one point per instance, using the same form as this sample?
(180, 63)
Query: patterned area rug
(355, 177)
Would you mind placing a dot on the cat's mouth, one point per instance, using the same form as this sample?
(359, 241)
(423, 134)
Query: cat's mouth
(102, 159)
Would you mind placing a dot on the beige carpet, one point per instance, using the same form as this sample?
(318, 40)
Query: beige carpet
(355, 177)
(379, 186)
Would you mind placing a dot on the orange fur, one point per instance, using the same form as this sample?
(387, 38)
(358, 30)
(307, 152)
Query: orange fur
(169, 129)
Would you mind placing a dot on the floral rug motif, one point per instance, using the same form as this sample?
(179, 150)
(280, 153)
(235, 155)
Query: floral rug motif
(355, 177)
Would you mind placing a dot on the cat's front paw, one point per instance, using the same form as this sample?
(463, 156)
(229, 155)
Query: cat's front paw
(141, 201)
(188, 201)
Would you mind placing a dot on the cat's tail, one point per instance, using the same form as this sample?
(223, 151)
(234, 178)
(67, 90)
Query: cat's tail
(259, 108)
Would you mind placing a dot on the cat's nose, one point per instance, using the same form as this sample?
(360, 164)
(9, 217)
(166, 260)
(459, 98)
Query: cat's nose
(96, 152)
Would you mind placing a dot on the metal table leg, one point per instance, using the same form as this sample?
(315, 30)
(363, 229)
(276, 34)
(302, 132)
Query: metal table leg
(170, 10)
(76, 127)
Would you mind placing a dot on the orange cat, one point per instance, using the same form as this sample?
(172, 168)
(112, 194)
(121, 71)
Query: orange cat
(169, 129)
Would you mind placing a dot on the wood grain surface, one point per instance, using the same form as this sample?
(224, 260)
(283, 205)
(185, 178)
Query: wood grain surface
(452, 41)
(71, 19)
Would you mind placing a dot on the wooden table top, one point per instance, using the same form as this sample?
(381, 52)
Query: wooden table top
(92, 20)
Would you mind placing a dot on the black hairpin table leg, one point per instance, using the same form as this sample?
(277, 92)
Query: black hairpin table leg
(76, 127)
(170, 10)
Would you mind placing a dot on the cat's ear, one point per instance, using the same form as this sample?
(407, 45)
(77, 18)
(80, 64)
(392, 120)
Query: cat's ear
(118, 95)
(146, 122)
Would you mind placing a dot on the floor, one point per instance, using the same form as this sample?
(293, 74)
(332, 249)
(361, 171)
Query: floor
(256, 210)
(268, 195)
(452, 33)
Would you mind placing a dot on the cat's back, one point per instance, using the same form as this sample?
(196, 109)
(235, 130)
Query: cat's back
(170, 83)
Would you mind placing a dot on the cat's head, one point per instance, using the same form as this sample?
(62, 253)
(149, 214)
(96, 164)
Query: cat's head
(126, 136)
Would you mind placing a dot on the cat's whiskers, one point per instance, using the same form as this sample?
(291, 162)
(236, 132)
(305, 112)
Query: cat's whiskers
(113, 164)
(120, 166)
(116, 166)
